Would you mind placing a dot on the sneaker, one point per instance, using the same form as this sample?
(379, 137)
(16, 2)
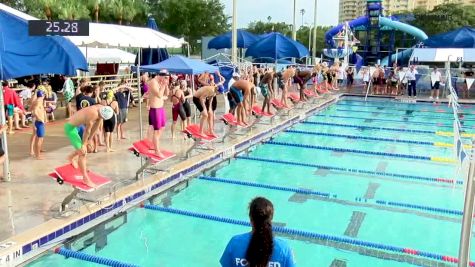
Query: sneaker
(431, 97)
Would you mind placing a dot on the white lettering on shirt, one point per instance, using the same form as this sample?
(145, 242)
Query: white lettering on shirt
(244, 262)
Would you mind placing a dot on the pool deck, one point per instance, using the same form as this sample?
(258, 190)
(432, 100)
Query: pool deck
(31, 199)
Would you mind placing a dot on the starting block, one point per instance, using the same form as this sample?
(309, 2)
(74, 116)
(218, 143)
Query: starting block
(202, 142)
(280, 107)
(145, 149)
(72, 176)
(295, 98)
(233, 124)
(260, 114)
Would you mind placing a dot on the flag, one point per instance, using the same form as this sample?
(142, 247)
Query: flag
(469, 82)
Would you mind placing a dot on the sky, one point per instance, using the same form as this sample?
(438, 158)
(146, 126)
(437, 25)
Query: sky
(281, 11)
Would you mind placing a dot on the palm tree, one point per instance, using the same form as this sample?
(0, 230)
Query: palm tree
(119, 9)
(48, 6)
(95, 6)
(72, 9)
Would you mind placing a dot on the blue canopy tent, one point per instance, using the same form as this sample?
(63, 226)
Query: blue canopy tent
(277, 46)
(244, 40)
(460, 38)
(22, 55)
(181, 65)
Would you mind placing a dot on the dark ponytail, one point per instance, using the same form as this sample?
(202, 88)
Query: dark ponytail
(261, 245)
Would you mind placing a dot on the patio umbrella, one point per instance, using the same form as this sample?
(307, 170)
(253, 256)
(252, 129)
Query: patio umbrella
(276, 46)
(244, 40)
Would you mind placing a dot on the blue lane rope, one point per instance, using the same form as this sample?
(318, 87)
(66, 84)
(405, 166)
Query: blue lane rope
(335, 196)
(362, 137)
(401, 115)
(398, 103)
(356, 151)
(266, 186)
(368, 127)
(92, 258)
(350, 170)
(301, 233)
(398, 109)
(435, 124)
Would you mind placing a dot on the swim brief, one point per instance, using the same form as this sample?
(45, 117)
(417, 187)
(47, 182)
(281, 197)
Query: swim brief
(72, 133)
(157, 118)
(40, 128)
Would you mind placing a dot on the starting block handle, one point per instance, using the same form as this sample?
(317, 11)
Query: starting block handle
(147, 164)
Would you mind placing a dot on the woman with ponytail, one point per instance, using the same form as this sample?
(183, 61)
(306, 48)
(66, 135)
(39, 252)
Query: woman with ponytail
(258, 248)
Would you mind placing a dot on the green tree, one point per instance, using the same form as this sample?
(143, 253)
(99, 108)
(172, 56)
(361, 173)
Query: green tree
(71, 9)
(260, 27)
(303, 35)
(444, 18)
(191, 19)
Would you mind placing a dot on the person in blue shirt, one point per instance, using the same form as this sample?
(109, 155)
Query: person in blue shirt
(258, 248)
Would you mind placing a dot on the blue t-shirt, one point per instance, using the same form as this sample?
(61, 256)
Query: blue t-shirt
(84, 101)
(235, 253)
(121, 100)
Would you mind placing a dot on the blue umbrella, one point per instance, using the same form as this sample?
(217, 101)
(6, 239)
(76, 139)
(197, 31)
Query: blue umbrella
(22, 55)
(276, 46)
(244, 40)
(460, 38)
(151, 23)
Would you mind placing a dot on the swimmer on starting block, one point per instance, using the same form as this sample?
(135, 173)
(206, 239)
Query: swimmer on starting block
(89, 119)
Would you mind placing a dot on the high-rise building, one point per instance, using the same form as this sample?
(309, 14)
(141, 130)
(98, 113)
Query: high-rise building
(351, 9)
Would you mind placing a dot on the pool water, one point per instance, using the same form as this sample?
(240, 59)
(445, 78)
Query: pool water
(157, 238)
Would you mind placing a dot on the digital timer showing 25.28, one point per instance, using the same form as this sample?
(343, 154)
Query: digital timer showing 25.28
(58, 27)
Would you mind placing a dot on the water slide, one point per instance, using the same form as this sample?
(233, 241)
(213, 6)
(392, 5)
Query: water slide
(416, 32)
(360, 21)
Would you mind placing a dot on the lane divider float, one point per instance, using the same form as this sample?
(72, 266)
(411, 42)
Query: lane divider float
(440, 133)
(447, 111)
(358, 137)
(308, 234)
(364, 152)
(91, 258)
(333, 196)
(435, 124)
(401, 115)
(356, 171)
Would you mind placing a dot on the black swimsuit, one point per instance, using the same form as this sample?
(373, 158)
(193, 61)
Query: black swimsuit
(109, 124)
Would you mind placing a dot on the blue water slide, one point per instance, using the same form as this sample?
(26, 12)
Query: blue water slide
(416, 32)
(360, 21)
(402, 57)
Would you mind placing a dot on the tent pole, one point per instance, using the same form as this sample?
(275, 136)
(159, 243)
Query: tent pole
(140, 94)
(234, 33)
(6, 163)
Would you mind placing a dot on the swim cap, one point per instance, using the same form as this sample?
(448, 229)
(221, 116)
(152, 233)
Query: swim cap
(40, 93)
(106, 112)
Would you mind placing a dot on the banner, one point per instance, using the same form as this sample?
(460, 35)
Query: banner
(469, 82)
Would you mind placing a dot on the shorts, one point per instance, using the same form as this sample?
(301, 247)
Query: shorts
(264, 90)
(178, 110)
(109, 125)
(187, 108)
(237, 95)
(394, 83)
(10, 110)
(157, 118)
(122, 116)
(40, 128)
(435, 86)
(72, 133)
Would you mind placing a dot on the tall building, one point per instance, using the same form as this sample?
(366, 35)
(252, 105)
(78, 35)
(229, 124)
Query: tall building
(351, 9)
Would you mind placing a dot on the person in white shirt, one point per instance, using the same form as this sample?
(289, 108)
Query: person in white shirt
(435, 79)
(411, 78)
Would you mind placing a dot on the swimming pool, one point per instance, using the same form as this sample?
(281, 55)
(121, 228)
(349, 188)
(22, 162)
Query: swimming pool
(359, 184)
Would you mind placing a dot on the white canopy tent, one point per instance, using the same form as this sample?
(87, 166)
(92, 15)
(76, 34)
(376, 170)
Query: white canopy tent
(111, 35)
(443, 55)
(107, 55)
